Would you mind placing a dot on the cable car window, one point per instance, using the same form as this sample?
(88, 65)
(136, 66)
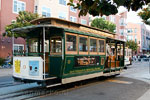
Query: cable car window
(83, 44)
(46, 45)
(33, 45)
(93, 45)
(56, 45)
(101, 46)
(71, 42)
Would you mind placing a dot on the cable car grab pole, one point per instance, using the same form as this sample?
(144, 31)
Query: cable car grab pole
(44, 48)
(13, 44)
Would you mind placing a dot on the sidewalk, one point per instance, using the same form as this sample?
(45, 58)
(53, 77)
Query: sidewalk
(6, 72)
(145, 96)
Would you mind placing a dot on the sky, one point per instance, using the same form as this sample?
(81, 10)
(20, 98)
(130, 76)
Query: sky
(132, 16)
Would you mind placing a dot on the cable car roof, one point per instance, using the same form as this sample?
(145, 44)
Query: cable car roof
(110, 39)
(32, 27)
(28, 29)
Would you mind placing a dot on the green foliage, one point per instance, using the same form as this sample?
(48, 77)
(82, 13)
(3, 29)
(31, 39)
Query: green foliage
(2, 61)
(145, 15)
(106, 7)
(22, 20)
(103, 24)
(132, 45)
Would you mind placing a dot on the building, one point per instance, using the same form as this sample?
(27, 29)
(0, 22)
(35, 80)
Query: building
(52, 8)
(8, 12)
(73, 16)
(59, 9)
(120, 21)
(141, 35)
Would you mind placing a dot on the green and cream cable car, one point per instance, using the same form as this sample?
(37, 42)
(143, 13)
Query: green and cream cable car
(60, 52)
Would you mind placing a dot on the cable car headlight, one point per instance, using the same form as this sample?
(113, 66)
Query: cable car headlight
(24, 66)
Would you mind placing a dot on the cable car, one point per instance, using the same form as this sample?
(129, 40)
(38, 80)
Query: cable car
(60, 52)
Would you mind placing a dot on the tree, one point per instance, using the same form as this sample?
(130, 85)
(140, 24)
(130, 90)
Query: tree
(145, 15)
(132, 45)
(106, 7)
(22, 20)
(103, 24)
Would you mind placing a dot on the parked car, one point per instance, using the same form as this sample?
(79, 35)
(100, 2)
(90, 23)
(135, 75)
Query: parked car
(144, 57)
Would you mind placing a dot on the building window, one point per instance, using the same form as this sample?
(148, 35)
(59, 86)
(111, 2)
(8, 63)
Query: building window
(72, 9)
(73, 19)
(112, 19)
(63, 2)
(83, 44)
(62, 15)
(121, 31)
(135, 37)
(143, 31)
(93, 44)
(135, 30)
(18, 48)
(46, 12)
(143, 41)
(0, 4)
(129, 30)
(36, 9)
(71, 42)
(122, 22)
(130, 37)
(18, 6)
(83, 22)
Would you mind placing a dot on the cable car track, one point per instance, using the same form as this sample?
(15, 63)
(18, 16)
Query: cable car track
(6, 84)
(37, 92)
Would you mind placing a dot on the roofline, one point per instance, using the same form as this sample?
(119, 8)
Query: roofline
(35, 20)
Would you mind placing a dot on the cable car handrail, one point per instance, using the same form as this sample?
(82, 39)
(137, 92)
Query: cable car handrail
(27, 54)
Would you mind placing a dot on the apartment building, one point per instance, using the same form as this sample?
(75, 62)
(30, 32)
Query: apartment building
(121, 23)
(73, 16)
(9, 10)
(52, 8)
(141, 35)
(59, 9)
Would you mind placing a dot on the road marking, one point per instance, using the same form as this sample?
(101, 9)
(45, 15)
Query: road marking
(118, 81)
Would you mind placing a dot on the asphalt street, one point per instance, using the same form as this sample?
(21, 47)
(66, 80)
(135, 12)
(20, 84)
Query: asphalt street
(6, 75)
(6, 79)
(132, 84)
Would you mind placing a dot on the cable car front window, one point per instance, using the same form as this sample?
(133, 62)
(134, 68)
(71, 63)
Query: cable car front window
(56, 45)
(33, 46)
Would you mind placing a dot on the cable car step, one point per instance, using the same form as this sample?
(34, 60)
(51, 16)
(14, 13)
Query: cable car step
(50, 78)
(53, 85)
